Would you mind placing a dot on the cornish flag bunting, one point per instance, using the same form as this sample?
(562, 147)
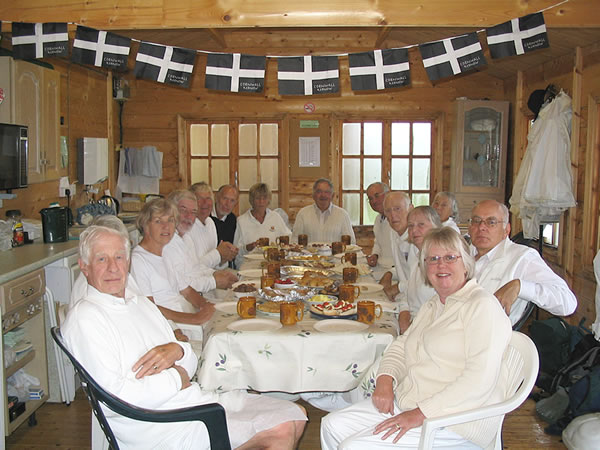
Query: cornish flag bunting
(39, 40)
(100, 48)
(517, 36)
(165, 64)
(379, 69)
(452, 56)
(308, 75)
(235, 72)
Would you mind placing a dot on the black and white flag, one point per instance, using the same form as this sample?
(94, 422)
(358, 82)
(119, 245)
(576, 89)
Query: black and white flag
(379, 69)
(308, 75)
(165, 64)
(452, 56)
(39, 40)
(517, 36)
(235, 72)
(100, 48)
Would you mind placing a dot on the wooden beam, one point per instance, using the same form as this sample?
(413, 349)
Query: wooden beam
(519, 139)
(217, 36)
(158, 14)
(591, 193)
(571, 219)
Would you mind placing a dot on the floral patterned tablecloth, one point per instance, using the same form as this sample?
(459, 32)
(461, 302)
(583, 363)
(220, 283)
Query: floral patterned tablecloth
(291, 359)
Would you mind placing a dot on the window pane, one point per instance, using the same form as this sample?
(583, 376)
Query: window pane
(274, 200)
(269, 143)
(422, 138)
(199, 170)
(351, 203)
(372, 171)
(373, 138)
(199, 140)
(399, 174)
(248, 176)
(368, 213)
(244, 202)
(400, 138)
(220, 173)
(420, 179)
(219, 140)
(420, 199)
(247, 139)
(268, 172)
(351, 173)
(351, 139)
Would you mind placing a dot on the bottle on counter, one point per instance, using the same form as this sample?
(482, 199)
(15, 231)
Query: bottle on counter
(16, 221)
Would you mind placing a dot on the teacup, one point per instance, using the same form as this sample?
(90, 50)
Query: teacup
(246, 307)
(283, 240)
(350, 274)
(267, 281)
(346, 239)
(262, 242)
(349, 292)
(368, 311)
(337, 247)
(291, 312)
(350, 257)
(303, 239)
(271, 254)
(274, 268)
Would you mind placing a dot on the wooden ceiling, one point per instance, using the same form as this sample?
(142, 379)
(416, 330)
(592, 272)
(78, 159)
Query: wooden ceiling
(273, 27)
(340, 40)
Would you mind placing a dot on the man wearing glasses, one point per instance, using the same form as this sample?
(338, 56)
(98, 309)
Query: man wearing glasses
(515, 273)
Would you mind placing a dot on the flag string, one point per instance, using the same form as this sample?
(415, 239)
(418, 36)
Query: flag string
(333, 54)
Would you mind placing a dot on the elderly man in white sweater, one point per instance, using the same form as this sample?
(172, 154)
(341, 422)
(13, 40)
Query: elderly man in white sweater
(323, 221)
(381, 255)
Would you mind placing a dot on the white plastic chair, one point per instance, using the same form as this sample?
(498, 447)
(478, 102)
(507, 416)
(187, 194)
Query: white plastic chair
(522, 361)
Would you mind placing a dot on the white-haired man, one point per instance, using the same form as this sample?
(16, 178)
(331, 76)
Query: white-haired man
(126, 344)
(382, 246)
(515, 273)
(323, 221)
(202, 236)
(182, 264)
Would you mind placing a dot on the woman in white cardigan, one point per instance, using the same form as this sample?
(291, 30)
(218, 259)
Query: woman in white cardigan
(448, 361)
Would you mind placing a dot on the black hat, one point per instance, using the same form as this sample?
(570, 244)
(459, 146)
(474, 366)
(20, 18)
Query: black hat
(536, 100)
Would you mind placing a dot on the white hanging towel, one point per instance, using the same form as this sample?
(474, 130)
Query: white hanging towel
(543, 188)
(140, 184)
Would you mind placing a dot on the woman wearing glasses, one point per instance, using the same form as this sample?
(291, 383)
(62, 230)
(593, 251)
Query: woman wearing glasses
(448, 361)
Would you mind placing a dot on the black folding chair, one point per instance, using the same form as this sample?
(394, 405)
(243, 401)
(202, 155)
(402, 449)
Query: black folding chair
(212, 414)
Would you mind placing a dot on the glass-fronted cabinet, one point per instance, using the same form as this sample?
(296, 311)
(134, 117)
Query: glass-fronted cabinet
(478, 168)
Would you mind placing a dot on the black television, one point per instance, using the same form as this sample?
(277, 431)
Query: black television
(13, 156)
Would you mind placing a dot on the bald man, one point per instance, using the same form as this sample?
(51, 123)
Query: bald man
(515, 273)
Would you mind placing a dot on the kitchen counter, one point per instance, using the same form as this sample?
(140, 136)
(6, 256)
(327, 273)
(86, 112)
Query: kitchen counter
(23, 260)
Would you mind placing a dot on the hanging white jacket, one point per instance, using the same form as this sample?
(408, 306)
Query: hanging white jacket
(543, 187)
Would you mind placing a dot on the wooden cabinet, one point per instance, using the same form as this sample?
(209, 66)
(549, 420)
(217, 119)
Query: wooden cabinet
(478, 167)
(22, 306)
(34, 93)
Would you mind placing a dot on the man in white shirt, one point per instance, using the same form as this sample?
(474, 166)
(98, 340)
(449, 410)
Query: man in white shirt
(323, 221)
(182, 264)
(515, 273)
(202, 237)
(382, 246)
(126, 344)
(396, 207)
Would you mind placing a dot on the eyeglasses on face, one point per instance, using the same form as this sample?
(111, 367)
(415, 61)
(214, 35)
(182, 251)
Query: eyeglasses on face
(490, 222)
(448, 259)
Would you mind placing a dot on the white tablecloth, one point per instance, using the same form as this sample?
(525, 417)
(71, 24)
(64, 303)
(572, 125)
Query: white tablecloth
(291, 359)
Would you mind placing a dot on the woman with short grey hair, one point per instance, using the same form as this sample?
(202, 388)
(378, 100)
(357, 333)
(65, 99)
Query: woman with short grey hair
(258, 222)
(447, 208)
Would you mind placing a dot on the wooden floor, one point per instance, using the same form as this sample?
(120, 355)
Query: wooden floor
(67, 427)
